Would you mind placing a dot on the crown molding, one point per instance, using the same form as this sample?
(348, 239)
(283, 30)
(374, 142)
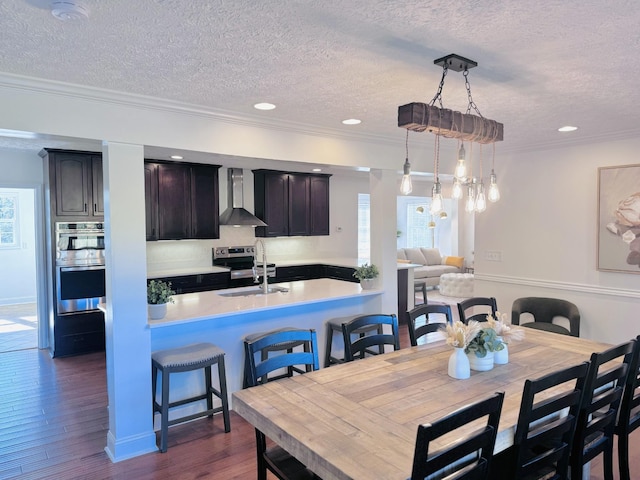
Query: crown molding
(101, 95)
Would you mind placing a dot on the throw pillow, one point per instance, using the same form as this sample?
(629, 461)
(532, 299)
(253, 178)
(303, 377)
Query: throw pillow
(400, 260)
(432, 255)
(415, 256)
(454, 261)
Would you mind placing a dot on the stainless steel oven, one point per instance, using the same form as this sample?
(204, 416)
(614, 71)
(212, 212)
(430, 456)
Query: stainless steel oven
(80, 269)
(242, 264)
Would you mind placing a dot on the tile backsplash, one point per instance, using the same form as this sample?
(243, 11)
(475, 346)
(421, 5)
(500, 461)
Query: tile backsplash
(177, 254)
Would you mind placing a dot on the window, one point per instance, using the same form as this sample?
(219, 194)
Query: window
(364, 226)
(8, 219)
(418, 233)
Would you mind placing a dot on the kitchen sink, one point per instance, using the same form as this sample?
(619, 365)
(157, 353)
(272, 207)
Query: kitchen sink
(246, 292)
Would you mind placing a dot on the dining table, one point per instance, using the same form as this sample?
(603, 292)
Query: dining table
(359, 420)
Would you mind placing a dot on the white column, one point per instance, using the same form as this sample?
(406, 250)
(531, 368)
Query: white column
(128, 339)
(383, 198)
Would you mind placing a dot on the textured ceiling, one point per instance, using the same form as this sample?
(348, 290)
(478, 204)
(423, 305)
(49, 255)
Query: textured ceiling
(542, 64)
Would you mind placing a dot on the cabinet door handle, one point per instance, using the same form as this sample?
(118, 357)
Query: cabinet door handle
(95, 207)
(85, 207)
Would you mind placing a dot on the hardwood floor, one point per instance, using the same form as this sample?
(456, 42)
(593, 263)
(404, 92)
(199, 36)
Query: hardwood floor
(54, 422)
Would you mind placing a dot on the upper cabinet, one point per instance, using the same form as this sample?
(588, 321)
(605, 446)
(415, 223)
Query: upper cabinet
(291, 203)
(77, 181)
(181, 201)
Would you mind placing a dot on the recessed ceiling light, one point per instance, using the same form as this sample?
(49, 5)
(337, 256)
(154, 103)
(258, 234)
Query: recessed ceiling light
(177, 157)
(567, 128)
(351, 121)
(264, 106)
(316, 169)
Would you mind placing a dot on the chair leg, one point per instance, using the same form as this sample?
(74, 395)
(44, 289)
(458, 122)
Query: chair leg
(327, 347)
(261, 446)
(623, 456)
(164, 411)
(608, 461)
(223, 394)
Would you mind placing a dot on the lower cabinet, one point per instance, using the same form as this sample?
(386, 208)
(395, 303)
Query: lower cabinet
(78, 333)
(199, 282)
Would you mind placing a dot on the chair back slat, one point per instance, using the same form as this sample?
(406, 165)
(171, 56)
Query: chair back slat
(470, 456)
(369, 337)
(470, 303)
(547, 421)
(417, 332)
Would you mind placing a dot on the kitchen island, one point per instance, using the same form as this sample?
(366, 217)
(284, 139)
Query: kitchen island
(224, 320)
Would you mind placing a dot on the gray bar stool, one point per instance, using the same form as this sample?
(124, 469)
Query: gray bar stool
(185, 359)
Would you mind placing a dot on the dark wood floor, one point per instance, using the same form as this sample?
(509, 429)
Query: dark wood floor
(54, 422)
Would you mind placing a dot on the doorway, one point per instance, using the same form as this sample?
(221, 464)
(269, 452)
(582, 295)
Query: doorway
(20, 306)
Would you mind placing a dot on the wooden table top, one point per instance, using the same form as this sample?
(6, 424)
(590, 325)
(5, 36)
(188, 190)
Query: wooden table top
(359, 420)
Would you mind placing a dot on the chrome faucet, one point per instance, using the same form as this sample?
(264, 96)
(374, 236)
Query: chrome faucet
(265, 285)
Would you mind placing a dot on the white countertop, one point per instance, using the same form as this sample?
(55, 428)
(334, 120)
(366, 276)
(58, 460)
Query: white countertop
(336, 261)
(193, 307)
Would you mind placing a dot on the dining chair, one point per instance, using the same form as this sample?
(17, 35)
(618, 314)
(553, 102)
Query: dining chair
(273, 348)
(360, 345)
(465, 305)
(547, 422)
(416, 332)
(276, 459)
(544, 310)
(599, 409)
(334, 326)
(629, 414)
(469, 454)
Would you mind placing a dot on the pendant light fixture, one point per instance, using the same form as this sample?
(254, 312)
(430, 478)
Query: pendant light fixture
(468, 126)
(405, 186)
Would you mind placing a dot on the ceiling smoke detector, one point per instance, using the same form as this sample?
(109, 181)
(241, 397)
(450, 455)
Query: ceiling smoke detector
(69, 10)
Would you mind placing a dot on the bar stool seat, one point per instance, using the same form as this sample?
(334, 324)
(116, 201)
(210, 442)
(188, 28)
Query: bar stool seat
(334, 325)
(185, 359)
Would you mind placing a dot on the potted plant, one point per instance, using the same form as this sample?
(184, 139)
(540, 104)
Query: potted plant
(480, 349)
(159, 293)
(505, 333)
(366, 274)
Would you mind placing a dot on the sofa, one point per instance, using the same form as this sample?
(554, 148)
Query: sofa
(432, 264)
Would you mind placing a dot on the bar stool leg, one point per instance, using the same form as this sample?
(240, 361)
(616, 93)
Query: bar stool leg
(327, 348)
(164, 411)
(207, 383)
(223, 394)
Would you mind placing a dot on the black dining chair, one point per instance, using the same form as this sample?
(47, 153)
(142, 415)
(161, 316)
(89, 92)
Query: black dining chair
(546, 424)
(544, 310)
(469, 455)
(629, 414)
(599, 409)
(487, 303)
(420, 323)
(359, 346)
(276, 459)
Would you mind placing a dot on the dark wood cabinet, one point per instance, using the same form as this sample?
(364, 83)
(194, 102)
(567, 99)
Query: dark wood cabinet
(198, 282)
(291, 204)
(181, 201)
(151, 200)
(79, 333)
(78, 184)
(341, 273)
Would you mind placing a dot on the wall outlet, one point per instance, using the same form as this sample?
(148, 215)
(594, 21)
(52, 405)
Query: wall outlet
(493, 256)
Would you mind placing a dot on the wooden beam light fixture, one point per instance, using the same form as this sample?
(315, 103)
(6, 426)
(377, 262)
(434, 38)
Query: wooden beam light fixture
(468, 126)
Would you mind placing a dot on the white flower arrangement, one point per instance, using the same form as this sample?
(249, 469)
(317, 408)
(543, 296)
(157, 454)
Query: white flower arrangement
(504, 329)
(459, 335)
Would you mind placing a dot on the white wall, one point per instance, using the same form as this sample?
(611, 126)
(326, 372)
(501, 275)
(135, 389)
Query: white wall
(22, 170)
(545, 230)
(17, 282)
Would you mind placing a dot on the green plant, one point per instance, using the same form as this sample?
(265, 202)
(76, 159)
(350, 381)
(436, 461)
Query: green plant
(366, 271)
(159, 292)
(485, 341)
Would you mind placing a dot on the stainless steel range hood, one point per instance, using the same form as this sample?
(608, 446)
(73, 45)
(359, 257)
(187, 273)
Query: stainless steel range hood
(235, 214)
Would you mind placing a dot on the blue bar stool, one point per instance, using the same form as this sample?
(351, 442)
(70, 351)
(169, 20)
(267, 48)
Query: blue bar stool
(185, 359)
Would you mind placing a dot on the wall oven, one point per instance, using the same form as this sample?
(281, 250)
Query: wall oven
(80, 269)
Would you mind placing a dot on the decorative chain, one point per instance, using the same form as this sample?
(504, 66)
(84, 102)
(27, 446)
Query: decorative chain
(438, 95)
(471, 104)
(406, 145)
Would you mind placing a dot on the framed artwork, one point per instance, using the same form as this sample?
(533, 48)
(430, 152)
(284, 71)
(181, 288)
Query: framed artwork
(619, 219)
